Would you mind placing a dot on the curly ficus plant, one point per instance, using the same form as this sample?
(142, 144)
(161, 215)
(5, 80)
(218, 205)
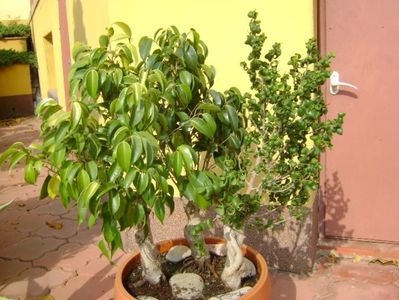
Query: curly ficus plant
(142, 122)
(287, 132)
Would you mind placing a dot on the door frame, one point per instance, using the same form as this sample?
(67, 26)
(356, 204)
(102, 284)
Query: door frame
(320, 14)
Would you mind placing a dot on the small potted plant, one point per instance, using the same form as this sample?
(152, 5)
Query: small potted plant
(146, 122)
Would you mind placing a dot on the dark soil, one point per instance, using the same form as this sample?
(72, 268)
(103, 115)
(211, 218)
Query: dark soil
(213, 285)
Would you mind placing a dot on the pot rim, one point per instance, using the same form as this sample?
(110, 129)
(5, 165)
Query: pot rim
(163, 246)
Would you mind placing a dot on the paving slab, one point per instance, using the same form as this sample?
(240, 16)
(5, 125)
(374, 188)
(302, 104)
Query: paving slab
(30, 248)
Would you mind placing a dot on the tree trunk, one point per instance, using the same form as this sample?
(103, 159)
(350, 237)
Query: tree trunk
(149, 254)
(196, 241)
(232, 271)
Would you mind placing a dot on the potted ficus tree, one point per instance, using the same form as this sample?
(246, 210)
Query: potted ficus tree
(144, 123)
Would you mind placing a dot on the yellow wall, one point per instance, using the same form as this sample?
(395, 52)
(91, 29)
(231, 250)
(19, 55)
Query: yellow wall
(15, 80)
(45, 22)
(223, 26)
(18, 44)
(87, 20)
(14, 9)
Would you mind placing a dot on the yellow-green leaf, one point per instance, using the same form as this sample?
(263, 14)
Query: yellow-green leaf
(92, 83)
(53, 186)
(124, 155)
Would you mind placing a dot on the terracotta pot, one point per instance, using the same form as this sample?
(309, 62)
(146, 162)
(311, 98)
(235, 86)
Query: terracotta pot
(261, 290)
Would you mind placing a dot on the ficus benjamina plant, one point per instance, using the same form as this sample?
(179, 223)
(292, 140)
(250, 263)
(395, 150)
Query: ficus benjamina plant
(145, 122)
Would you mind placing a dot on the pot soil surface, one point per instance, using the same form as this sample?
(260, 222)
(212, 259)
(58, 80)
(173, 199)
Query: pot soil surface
(213, 284)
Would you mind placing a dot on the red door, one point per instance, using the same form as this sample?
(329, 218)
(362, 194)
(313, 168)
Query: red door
(360, 181)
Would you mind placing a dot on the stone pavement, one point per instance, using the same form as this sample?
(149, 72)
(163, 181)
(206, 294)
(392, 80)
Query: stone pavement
(44, 252)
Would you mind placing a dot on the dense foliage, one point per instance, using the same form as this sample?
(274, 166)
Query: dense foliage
(14, 29)
(287, 112)
(9, 57)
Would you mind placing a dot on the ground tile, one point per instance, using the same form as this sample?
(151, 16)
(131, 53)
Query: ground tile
(101, 267)
(31, 222)
(364, 272)
(58, 228)
(85, 287)
(8, 238)
(85, 236)
(53, 207)
(30, 248)
(12, 268)
(348, 290)
(69, 257)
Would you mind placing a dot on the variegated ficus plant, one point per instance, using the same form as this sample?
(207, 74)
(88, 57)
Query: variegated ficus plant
(146, 123)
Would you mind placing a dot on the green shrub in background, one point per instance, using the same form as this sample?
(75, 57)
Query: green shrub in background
(9, 57)
(14, 30)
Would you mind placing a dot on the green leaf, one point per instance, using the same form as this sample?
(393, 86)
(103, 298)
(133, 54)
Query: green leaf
(159, 209)
(103, 41)
(138, 113)
(184, 93)
(16, 158)
(203, 127)
(104, 249)
(125, 28)
(138, 214)
(144, 181)
(53, 186)
(92, 221)
(137, 145)
(130, 177)
(232, 114)
(72, 170)
(189, 156)
(210, 72)
(88, 192)
(76, 114)
(149, 151)
(191, 58)
(115, 203)
(119, 135)
(56, 118)
(43, 190)
(145, 44)
(186, 77)
(105, 188)
(159, 77)
(83, 180)
(124, 155)
(30, 172)
(92, 169)
(114, 172)
(201, 201)
(177, 163)
(209, 107)
(210, 121)
(92, 83)
(58, 157)
(6, 154)
(109, 229)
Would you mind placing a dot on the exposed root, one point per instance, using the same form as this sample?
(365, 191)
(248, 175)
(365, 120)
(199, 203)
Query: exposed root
(139, 283)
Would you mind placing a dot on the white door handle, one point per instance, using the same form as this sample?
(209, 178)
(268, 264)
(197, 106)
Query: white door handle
(335, 83)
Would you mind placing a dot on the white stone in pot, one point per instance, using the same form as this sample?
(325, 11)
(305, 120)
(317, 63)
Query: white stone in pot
(248, 268)
(146, 298)
(187, 286)
(234, 295)
(178, 253)
(217, 249)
